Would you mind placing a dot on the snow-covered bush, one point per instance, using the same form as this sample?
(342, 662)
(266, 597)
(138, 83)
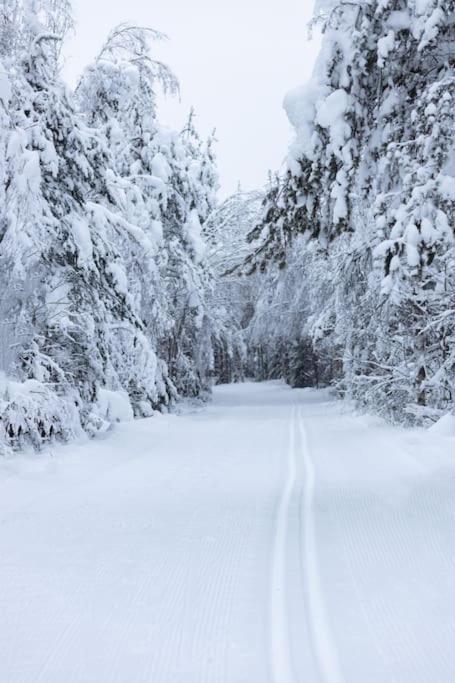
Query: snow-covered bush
(32, 414)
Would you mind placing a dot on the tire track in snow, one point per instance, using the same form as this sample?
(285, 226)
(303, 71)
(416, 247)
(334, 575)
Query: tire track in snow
(323, 649)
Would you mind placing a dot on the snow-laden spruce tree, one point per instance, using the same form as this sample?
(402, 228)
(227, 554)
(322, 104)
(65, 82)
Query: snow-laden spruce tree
(370, 179)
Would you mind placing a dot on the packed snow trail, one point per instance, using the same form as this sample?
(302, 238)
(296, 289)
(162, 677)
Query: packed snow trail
(271, 537)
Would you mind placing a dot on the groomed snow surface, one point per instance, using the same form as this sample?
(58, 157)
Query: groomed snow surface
(270, 537)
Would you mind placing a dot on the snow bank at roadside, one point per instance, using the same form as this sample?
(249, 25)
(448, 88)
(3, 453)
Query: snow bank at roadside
(445, 426)
(32, 414)
(115, 406)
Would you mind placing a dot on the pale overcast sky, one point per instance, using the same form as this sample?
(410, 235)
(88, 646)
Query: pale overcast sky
(235, 60)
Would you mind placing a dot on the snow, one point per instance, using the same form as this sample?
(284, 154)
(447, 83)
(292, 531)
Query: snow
(389, 105)
(160, 167)
(81, 232)
(445, 426)
(422, 6)
(340, 208)
(30, 181)
(312, 103)
(323, 5)
(333, 107)
(385, 46)
(115, 406)
(273, 535)
(12, 390)
(428, 25)
(58, 301)
(5, 87)
(120, 277)
(399, 21)
(31, 413)
(300, 106)
(156, 228)
(331, 114)
(447, 186)
(413, 239)
(300, 103)
(193, 233)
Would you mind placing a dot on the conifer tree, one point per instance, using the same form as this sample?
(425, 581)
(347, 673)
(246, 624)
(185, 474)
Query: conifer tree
(370, 183)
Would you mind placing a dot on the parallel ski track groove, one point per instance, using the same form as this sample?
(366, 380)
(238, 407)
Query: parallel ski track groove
(322, 645)
(282, 670)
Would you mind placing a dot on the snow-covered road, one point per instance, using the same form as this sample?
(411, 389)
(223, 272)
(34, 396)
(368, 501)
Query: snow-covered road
(269, 538)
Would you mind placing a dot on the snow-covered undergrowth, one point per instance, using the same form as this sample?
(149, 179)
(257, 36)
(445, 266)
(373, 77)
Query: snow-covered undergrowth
(31, 414)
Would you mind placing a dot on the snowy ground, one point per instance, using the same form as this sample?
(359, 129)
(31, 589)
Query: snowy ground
(270, 537)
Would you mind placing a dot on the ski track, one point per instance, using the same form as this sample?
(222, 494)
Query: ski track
(271, 537)
(324, 650)
(280, 651)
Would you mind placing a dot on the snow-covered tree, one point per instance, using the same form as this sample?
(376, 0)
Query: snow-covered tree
(370, 182)
(234, 295)
(185, 271)
(89, 187)
(168, 183)
(64, 241)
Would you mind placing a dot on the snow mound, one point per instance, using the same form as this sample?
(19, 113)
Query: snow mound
(115, 406)
(445, 426)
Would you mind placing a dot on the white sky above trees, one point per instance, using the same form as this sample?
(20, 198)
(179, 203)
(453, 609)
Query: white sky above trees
(235, 60)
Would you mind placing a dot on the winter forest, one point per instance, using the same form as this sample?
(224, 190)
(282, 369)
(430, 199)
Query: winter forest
(126, 285)
(227, 419)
